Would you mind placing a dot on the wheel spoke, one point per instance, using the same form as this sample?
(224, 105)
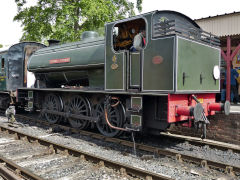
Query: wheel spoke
(78, 105)
(82, 106)
(52, 102)
(114, 121)
(112, 112)
(82, 111)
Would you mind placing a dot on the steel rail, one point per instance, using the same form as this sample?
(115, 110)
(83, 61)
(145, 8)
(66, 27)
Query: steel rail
(55, 147)
(7, 174)
(203, 142)
(180, 157)
(20, 171)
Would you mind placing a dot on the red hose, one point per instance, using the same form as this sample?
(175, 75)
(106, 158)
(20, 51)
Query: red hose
(116, 98)
(110, 125)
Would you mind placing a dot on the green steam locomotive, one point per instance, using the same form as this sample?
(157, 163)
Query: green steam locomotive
(148, 72)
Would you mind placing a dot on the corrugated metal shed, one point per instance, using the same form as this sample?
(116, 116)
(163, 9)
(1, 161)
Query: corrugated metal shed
(221, 25)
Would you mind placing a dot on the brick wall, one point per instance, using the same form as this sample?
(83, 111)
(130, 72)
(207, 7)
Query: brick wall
(222, 128)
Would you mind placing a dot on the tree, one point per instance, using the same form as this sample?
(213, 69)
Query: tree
(1, 45)
(65, 20)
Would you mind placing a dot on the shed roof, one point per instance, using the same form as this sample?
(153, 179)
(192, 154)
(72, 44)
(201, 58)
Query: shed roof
(221, 25)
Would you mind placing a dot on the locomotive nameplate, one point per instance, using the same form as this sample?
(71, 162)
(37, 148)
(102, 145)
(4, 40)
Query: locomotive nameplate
(59, 61)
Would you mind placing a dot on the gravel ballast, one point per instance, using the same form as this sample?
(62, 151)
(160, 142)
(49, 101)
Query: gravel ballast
(162, 165)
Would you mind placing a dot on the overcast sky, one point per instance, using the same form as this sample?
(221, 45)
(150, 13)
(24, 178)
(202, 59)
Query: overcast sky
(10, 32)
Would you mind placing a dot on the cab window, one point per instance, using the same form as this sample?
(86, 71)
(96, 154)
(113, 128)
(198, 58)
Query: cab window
(3, 63)
(125, 33)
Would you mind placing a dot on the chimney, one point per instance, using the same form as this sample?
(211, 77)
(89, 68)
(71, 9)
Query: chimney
(53, 42)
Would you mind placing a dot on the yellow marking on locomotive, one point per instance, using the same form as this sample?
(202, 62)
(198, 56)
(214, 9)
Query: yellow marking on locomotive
(200, 100)
(114, 59)
(114, 65)
(2, 78)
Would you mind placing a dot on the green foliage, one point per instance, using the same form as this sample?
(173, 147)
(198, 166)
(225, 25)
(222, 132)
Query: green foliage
(1, 45)
(65, 20)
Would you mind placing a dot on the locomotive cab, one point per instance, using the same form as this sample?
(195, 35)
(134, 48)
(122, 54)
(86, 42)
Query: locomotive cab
(17, 59)
(176, 66)
(129, 40)
(14, 73)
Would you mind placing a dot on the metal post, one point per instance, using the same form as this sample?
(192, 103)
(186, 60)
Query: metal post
(228, 58)
(228, 82)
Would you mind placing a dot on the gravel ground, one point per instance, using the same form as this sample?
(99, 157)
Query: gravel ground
(37, 159)
(201, 152)
(161, 165)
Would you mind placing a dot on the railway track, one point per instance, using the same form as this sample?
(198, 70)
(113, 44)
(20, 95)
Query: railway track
(72, 156)
(190, 140)
(10, 170)
(205, 163)
(204, 142)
